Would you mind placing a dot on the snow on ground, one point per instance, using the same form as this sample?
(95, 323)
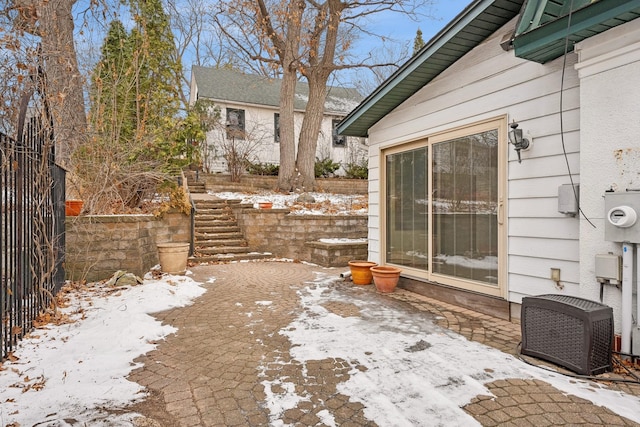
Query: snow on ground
(415, 371)
(70, 370)
(325, 203)
(343, 240)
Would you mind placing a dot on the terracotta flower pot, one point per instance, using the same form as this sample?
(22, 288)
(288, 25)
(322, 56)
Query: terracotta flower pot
(385, 278)
(265, 205)
(361, 272)
(73, 207)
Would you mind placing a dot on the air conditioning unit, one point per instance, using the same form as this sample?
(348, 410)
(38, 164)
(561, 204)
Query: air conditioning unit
(572, 332)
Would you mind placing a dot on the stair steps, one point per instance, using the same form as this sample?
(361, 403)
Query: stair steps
(217, 234)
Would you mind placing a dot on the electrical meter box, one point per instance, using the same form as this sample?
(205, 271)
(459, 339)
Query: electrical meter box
(622, 217)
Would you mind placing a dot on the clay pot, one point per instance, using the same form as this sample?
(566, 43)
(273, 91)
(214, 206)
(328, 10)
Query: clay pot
(361, 272)
(73, 207)
(173, 257)
(385, 278)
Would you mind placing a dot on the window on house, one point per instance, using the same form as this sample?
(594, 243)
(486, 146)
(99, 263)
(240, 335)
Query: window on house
(276, 128)
(338, 140)
(235, 123)
(442, 204)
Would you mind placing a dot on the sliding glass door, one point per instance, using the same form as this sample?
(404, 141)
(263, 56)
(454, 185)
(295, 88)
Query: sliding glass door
(443, 207)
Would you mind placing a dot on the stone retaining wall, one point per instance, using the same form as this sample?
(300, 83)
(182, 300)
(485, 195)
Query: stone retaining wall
(220, 182)
(99, 245)
(337, 254)
(288, 236)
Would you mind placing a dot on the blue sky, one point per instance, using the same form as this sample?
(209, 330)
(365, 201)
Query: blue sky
(443, 11)
(401, 30)
(396, 26)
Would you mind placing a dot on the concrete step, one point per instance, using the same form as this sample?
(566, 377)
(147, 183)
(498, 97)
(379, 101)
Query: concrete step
(230, 257)
(216, 243)
(214, 217)
(214, 209)
(213, 204)
(217, 229)
(197, 187)
(222, 250)
(219, 235)
(215, 223)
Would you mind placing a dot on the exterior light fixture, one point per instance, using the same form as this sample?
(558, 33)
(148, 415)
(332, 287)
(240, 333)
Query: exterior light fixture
(519, 142)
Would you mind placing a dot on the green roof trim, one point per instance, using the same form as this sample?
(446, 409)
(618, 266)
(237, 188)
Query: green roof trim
(544, 26)
(466, 31)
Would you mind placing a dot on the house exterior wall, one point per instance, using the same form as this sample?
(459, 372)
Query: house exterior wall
(259, 125)
(491, 83)
(609, 72)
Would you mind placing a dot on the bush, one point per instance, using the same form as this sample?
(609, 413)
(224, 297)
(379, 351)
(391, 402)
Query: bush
(265, 169)
(325, 168)
(357, 171)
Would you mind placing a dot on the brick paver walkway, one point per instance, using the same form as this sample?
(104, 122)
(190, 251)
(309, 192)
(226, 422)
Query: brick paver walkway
(213, 370)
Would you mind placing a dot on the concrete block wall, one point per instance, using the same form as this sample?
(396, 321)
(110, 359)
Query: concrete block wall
(285, 235)
(99, 245)
(336, 254)
(220, 182)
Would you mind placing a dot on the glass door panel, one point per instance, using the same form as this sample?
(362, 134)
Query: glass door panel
(407, 208)
(465, 204)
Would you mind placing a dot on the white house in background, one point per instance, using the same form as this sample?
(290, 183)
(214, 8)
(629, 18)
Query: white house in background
(249, 105)
(449, 201)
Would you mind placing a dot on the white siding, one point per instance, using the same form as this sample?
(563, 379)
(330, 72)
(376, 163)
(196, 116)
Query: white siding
(259, 125)
(609, 70)
(488, 83)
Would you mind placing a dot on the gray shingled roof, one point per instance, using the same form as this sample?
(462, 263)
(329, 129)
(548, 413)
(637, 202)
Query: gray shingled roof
(221, 84)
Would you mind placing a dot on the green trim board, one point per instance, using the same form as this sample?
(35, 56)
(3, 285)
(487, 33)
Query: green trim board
(541, 33)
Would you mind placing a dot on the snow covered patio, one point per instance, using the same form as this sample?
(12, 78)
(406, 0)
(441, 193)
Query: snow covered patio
(283, 343)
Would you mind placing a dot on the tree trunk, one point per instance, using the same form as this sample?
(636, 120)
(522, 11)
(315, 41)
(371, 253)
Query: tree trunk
(64, 84)
(286, 172)
(321, 54)
(288, 55)
(309, 133)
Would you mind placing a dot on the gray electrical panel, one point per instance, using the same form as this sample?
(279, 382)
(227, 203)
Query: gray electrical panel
(568, 196)
(609, 268)
(622, 217)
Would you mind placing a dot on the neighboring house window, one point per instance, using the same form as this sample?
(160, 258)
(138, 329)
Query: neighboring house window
(235, 123)
(276, 128)
(338, 140)
(442, 203)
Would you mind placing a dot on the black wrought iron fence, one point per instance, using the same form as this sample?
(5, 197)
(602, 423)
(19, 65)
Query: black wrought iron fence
(32, 219)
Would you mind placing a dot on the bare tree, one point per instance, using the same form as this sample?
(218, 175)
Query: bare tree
(303, 38)
(384, 53)
(52, 22)
(198, 39)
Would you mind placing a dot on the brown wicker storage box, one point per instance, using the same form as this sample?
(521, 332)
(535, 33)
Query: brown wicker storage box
(572, 332)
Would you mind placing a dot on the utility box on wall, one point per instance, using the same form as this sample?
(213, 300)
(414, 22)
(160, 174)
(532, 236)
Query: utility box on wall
(622, 217)
(568, 197)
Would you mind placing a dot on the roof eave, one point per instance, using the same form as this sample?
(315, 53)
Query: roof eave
(352, 124)
(545, 43)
